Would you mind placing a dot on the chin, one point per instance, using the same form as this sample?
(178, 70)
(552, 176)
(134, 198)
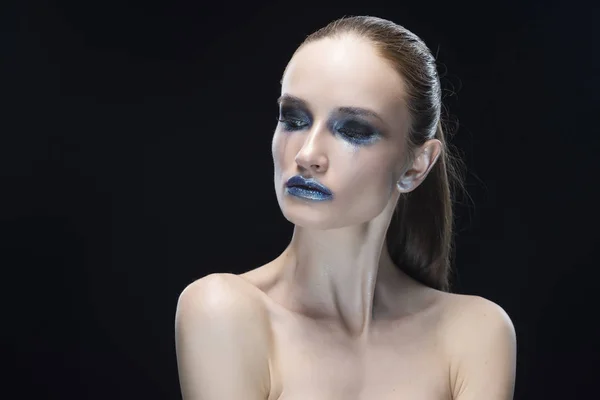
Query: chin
(325, 216)
(308, 223)
(306, 214)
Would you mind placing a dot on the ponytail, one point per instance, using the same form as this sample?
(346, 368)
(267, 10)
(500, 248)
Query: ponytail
(419, 237)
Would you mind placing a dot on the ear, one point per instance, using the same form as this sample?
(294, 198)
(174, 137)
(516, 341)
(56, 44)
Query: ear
(425, 159)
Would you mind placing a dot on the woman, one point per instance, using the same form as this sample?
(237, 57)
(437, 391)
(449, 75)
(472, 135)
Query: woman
(357, 306)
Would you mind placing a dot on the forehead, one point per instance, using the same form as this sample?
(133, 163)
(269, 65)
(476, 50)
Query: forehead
(344, 72)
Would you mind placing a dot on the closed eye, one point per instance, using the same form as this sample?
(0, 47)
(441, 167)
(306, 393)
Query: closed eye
(292, 124)
(356, 132)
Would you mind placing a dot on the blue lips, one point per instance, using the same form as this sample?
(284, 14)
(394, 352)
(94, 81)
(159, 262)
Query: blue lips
(307, 189)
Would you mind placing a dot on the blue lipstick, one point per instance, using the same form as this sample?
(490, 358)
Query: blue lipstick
(308, 189)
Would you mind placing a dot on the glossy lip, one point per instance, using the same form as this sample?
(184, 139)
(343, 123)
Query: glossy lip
(310, 183)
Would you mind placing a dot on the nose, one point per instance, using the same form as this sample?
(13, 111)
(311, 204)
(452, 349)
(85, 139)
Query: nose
(312, 155)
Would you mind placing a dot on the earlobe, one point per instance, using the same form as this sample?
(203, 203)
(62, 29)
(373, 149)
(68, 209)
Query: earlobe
(404, 184)
(408, 178)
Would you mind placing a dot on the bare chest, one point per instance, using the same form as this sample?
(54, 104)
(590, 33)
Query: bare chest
(397, 361)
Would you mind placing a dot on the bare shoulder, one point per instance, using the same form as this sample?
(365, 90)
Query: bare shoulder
(466, 316)
(222, 340)
(480, 341)
(218, 287)
(223, 296)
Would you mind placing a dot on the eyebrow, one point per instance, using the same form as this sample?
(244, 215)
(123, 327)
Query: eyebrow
(357, 111)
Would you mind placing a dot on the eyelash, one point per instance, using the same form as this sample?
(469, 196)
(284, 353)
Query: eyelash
(288, 123)
(353, 136)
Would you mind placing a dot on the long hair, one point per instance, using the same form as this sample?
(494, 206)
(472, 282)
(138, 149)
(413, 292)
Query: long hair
(420, 235)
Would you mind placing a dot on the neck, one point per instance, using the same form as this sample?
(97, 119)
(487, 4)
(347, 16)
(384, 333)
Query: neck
(342, 274)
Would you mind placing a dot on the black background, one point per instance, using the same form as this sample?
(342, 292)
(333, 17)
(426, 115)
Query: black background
(135, 158)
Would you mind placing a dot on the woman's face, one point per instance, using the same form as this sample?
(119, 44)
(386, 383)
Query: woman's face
(342, 123)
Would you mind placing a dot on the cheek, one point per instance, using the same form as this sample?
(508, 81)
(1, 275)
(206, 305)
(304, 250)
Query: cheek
(379, 184)
(375, 175)
(276, 148)
(371, 186)
(283, 149)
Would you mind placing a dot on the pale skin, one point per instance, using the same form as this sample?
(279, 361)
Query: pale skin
(332, 317)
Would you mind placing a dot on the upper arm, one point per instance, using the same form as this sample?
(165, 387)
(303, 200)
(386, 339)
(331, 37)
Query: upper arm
(222, 351)
(483, 345)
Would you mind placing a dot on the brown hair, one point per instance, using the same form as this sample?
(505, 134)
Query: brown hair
(419, 237)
